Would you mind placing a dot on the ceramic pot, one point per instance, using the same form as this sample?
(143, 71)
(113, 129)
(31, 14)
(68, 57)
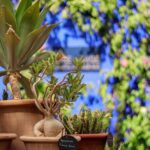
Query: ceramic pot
(5, 140)
(40, 143)
(18, 116)
(92, 141)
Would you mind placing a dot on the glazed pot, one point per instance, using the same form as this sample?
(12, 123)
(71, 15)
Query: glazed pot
(18, 116)
(40, 143)
(92, 141)
(5, 140)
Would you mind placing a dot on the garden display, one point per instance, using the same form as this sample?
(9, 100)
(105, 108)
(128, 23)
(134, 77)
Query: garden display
(92, 127)
(21, 36)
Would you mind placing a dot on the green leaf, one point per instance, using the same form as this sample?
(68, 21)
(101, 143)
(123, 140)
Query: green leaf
(42, 16)
(23, 5)
(29, 20)
(27, 86)
(34, 42)
(6, 19)
(11, 41)
(3, 73)
(3, 54)
(8, 4)
(34, 59)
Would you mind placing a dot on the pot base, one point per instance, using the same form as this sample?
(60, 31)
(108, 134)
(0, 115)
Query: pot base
(92, 141)
(40, 143)
(5, 141)
(19, 117)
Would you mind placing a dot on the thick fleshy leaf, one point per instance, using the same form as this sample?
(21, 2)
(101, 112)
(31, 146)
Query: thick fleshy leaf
(29, 20)
(37, 43)
(8, 4)
(42, 16)
(3, 54)
(27, 86)
(6, 80)
(35, 58)
(23, 5)
(11, 42)
(25, 46)
(3, 73)
(6, 19)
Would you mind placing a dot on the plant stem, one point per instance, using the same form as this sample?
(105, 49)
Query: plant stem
(13, 80)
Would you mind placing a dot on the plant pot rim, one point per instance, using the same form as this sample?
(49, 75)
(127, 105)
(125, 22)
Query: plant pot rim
(16, 102)
(91, 135)
(33, 139)
(5, 136)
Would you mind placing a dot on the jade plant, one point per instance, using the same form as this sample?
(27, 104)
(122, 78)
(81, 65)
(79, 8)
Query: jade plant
(21, 36)
(86, 122)
(57, 94)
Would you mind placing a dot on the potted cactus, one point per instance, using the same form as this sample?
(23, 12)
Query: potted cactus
(57, 95)
(21, 36)
(90, 126)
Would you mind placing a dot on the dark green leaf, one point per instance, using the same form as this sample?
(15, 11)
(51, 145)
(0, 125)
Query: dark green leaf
(6, 19)
(11, 41)
(23, 5)
(29, 20)
(27, 86)
(8, 4)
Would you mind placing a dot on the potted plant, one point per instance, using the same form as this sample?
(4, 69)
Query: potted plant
(90, 126)
(5, 140)
(57, 95)
(21, 36)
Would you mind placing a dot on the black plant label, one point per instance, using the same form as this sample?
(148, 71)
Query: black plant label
(110, 140)
(67, 143)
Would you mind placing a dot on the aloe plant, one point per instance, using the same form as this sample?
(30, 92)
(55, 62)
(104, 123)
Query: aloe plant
(21, 36)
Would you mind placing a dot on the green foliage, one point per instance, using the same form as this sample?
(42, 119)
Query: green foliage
(89, 17)
(131, 64)
(86, 122)
(137, 135)
(67, 90)
(21, 37)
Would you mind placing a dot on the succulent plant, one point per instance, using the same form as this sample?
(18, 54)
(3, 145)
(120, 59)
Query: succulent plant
(21, 36)
(86, 122)
(57, 94)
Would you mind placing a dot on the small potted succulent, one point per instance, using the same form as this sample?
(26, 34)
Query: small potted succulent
(57, 95)
(21, 36)
(92, 127)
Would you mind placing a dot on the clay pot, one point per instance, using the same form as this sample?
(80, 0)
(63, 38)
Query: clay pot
(92, 141)
(18, 116)
(40, 143)
(5, 141)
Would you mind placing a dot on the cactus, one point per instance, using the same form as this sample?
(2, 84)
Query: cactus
(86, 122)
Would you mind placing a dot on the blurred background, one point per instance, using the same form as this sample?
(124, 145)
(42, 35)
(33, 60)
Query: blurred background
(113, 36)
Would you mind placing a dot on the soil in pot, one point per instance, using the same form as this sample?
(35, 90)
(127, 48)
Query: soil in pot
(18, 116)
(92, 141)
(5, 140)
(40, 143)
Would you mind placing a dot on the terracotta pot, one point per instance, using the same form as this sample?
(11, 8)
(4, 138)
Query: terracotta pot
(5, 141)
(40, 143)
(18, 116)
(92, 141)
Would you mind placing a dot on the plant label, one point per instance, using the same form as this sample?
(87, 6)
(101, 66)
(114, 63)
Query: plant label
(67, 143)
